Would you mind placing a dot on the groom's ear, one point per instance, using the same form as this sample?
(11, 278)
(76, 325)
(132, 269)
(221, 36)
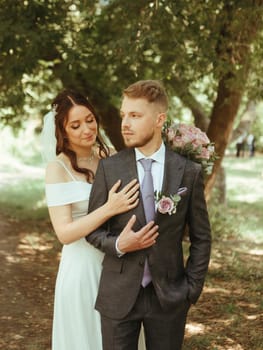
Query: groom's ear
(161, 118)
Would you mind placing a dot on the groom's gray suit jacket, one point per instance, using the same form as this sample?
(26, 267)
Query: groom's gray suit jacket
(173, 280)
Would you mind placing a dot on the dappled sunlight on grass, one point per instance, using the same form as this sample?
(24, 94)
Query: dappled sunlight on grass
(251, 197)
(244, 182)
(195, 328)
(22, 189)
(229, 312)
(256, 252)
(23, 145)
(213, 290)
(231, 307)
(29, 264)
(13, 168)
(32, 244)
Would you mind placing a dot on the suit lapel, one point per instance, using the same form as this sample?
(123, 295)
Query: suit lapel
(173, 172)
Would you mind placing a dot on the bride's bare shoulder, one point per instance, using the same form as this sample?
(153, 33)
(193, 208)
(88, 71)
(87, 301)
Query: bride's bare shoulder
(55, 170)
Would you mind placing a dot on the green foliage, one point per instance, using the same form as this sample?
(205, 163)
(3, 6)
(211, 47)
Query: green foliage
(100, 47)
(29, 34)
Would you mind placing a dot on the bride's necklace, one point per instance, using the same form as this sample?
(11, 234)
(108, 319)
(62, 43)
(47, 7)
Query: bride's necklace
(87, 159)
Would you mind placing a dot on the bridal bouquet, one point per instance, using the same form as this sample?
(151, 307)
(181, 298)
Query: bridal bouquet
(192, 143)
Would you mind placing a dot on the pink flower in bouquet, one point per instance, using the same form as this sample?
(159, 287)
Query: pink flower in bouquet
(171, 134)
(200, 139)
(178, 141)
(192, 143)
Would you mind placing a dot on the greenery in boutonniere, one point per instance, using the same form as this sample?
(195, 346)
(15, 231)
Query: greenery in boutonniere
(167, 204)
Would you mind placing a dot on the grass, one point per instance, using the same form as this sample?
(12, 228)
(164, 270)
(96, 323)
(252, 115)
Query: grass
(22, 189)
(22, 174)
(244, 195)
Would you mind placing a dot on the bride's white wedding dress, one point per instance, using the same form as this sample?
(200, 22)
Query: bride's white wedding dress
(76, 324)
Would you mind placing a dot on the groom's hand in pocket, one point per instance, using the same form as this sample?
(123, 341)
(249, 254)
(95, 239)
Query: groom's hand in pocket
(130, 240)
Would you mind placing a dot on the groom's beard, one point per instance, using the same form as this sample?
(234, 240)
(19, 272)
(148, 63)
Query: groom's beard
(130, 142)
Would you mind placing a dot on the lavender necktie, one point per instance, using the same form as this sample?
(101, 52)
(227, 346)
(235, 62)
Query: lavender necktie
(147, 192)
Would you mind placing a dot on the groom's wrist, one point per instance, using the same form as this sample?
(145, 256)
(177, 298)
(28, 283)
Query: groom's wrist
(119, 252)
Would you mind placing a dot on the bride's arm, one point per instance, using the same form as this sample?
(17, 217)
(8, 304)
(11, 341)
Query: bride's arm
(69, 231)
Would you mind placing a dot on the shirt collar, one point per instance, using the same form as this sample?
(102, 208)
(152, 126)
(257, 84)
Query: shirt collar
(158, 156)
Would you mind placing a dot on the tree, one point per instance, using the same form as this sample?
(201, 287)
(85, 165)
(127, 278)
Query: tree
(207, 53)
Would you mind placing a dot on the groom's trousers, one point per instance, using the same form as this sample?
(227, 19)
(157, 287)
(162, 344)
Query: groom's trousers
(163, 330)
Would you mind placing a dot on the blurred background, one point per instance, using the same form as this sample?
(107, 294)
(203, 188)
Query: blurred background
(208, 54)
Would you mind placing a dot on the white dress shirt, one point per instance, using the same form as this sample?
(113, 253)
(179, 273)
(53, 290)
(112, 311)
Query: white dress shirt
(157, 167)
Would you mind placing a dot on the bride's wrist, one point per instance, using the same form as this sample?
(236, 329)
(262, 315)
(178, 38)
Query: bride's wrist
(109, 211)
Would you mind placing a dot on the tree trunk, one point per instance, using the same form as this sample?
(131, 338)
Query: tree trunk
(110, 121)
(221, 125)
(220, 186)
(234, 48)
(246, 121)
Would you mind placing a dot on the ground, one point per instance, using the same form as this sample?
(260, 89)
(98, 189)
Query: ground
(28, 269)
(227, 316)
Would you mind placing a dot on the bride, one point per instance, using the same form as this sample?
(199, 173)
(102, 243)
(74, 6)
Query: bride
(72, 145)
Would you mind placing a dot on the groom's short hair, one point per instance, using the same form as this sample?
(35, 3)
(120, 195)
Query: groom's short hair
(152, 90)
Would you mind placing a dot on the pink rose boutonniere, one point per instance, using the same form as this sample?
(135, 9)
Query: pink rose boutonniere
(167, 204)
(191, 142)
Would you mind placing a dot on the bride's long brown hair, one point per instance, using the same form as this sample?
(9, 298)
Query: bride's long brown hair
(61, 105)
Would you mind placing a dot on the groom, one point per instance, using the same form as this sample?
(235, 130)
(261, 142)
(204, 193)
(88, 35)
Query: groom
(149, 286)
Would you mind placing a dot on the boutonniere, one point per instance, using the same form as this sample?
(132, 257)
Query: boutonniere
(167, 204)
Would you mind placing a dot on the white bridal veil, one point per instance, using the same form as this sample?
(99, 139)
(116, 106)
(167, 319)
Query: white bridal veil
(47, 138)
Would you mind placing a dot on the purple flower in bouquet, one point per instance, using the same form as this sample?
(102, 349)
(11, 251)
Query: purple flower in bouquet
(192, 143)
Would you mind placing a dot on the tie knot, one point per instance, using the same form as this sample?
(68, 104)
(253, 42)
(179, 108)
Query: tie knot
(146, 163)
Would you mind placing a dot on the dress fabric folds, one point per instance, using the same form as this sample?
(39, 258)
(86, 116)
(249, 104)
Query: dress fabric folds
(76, 324)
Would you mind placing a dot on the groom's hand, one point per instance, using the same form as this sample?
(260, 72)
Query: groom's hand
(130, 240)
